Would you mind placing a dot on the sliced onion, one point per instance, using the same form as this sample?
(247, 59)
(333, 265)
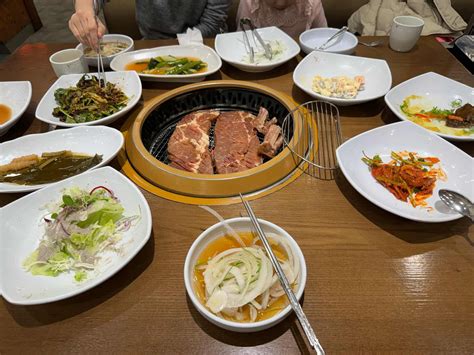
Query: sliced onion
(256, 304)
(245, 273)
(265, 299)
(229, 229)
(239, 315)
(217, 301)
(253, 313)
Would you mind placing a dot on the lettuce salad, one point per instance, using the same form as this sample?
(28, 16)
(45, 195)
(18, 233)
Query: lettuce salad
(79, 228)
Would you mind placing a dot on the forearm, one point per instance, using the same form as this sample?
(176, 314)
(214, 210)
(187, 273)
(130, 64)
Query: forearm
(84, 5)
(213, 19)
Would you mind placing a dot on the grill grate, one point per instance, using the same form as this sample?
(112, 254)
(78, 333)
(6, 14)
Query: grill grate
(161, 123)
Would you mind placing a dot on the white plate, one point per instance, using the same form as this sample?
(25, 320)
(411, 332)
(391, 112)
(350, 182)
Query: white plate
(315, 37)
(231, 48)
(410, 137)
(127, 81)
(437, 89)
(17, 96)
(22, 231)
(202, 52)
(378, 78)
(92, 61)
(101, 140)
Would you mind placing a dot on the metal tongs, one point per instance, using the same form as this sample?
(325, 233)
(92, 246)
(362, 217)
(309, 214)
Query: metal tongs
(308, 330)
(323, 46)
(100, 63)
(246, 22)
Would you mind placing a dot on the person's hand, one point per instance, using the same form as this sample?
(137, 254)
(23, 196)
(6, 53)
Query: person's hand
(86, 28)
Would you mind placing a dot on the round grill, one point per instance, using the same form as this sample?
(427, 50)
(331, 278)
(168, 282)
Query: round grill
(161, 122)
(147, 140)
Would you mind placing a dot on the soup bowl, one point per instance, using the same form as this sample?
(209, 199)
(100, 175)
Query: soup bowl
(92, 60)
(241, 224)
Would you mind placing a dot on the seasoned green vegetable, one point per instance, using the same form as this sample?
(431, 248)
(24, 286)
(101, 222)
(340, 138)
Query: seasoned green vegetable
(88, 101)
(170, 65)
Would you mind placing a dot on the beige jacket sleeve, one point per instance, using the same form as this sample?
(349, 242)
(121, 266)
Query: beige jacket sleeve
(375, 18)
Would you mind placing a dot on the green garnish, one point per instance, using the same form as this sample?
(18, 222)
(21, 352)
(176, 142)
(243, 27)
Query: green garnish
(438, 111)
(456, 103)
(67, 200)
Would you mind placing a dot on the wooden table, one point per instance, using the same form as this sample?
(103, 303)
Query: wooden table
(376, 282)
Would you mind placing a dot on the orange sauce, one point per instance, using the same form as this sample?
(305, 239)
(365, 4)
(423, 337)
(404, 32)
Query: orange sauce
(5, 113)
(224, 243)
(142, 65)
(137, 66)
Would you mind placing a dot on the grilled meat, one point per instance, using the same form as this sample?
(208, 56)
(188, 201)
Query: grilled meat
(236, 143)
(188, 147)
(463, 117)
(272, 142)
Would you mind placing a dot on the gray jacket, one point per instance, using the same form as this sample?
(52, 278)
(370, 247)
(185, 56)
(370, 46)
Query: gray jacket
(165, 18)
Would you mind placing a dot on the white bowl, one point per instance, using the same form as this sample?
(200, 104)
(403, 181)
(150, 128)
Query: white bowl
(17, 96)
(89, 140)
(407, 136)
(230, 47)
(92, 61)
(21, 233)
(378, 78)
(127, 81)
(313, 38)
(437, 89)
(202, 52)
(216, 231)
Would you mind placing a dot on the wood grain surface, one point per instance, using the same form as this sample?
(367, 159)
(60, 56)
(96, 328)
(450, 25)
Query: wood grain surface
(377, 283)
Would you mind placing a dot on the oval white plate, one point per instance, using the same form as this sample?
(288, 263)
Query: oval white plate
(231, 48)
(202, 52)
(410, 137)
(101, 140)
(21, 233)
(378, 78)
(17, 96)
(438, 89)
(127, 81)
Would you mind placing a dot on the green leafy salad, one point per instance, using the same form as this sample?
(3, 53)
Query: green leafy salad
(77, 231)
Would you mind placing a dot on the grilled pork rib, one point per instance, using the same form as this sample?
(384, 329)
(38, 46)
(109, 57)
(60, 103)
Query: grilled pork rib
(188, 147)
(236, 143)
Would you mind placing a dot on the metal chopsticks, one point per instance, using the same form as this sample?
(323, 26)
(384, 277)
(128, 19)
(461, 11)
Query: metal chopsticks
(100, 63)
(308, 330)
(246, 22)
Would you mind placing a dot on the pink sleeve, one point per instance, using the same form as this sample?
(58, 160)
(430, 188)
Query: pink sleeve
(243, 11)
(319, 19)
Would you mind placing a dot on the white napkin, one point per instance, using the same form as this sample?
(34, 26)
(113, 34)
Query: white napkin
(191, 36)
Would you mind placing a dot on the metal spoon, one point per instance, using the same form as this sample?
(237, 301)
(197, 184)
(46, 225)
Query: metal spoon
(457, 202)
(373, 43)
